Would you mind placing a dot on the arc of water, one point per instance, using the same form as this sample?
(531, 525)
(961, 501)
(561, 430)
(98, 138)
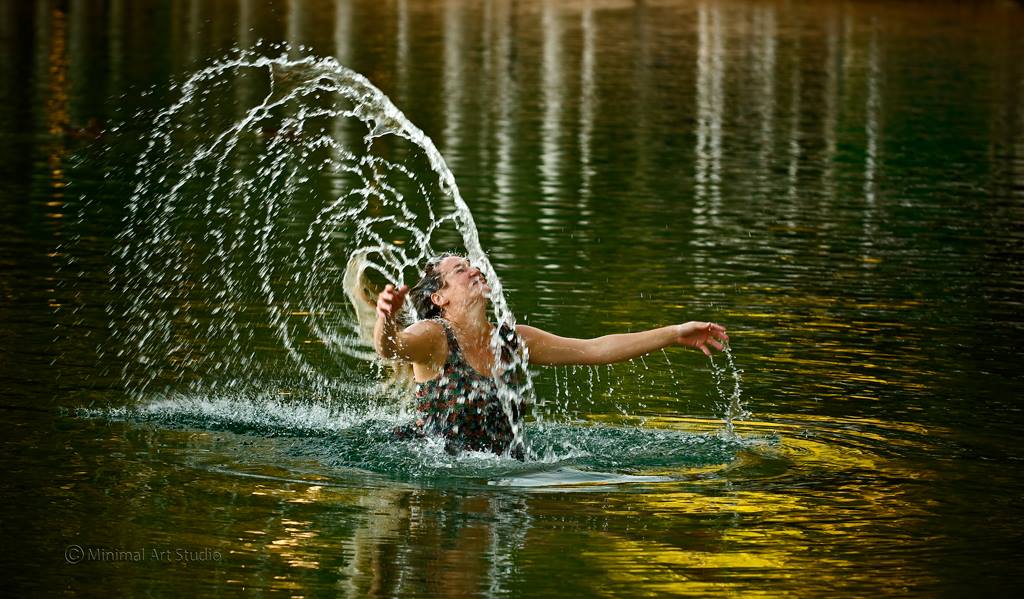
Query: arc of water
(152, 244)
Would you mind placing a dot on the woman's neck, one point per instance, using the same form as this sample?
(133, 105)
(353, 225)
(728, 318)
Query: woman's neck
(471, 323)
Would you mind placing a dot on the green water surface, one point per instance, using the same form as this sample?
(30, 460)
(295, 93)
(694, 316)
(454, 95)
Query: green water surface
(841, 184)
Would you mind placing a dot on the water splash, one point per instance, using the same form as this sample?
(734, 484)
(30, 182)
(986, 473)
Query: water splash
(264, 187)
(347, 439)
(732, 401)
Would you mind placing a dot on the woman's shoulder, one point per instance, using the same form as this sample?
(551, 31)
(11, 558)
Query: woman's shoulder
(431, 327)
(431, 335)
(431, 330)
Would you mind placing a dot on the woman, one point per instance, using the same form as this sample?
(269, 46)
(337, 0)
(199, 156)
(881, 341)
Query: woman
(454, 364)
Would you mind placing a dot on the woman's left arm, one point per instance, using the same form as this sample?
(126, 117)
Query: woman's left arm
(548, 349)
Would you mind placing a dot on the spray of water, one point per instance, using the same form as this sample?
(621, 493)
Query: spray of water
(271, 198)
(731, 402)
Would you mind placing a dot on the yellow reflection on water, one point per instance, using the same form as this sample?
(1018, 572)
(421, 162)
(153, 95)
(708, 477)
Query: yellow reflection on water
(839, 346)
(58, 119)
(755, 530)
(648, 566)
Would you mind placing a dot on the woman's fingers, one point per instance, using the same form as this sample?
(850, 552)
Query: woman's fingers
(707, 334)
(384, 299)
(391, 299)
(718, 331)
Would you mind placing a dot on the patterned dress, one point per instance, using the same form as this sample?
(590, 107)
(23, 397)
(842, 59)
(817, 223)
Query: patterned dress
(462, 405)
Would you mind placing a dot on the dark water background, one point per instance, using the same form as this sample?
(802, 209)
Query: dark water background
(840, 183)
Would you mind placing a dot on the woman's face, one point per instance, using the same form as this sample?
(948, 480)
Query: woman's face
(463, 283)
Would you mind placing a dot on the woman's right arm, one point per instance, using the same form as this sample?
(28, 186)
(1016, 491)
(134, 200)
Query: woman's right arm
(418, 343)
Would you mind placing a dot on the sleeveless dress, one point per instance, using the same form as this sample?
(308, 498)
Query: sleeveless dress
(462, 405)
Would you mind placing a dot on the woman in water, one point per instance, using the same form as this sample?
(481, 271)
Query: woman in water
(454, 364)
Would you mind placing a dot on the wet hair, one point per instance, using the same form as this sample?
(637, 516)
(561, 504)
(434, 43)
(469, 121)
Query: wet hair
(431, 282)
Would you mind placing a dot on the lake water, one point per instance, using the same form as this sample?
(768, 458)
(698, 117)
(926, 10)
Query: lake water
(841, 184)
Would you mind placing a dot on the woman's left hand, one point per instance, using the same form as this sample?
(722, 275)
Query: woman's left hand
(699, 335)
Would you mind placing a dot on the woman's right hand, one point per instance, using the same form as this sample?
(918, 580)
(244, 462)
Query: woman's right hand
(389, 301)
(420, 343)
